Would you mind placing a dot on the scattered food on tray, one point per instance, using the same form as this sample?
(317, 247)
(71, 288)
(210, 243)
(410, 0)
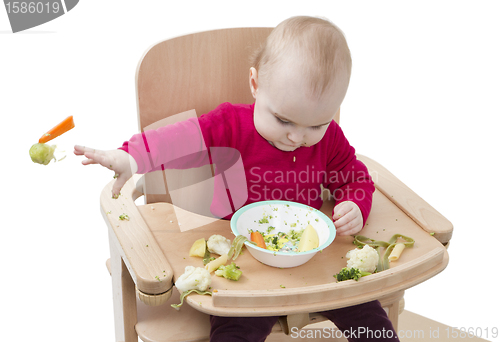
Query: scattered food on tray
(193, 278)
(218, 265)
(383, 263)
(198, 248)
(215, 264)
(231, 272)
(364, 259)
(350, 273)
(124, 217)
(218, 244)
(207, 257)
(185, 293)
(237, 246)
(396, 252)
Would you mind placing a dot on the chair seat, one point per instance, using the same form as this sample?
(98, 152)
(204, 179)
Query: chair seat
(165, 324)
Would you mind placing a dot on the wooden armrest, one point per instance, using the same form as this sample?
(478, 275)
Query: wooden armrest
(138, 247)
(408, 201)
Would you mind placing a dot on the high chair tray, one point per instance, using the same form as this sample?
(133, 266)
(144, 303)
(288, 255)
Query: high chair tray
(265, 290)
(154, 249)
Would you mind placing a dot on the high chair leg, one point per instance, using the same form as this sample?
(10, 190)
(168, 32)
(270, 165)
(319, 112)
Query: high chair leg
(124, 299)
(394, 305)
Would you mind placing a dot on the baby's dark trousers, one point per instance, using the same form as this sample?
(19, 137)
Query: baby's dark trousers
(360, 323)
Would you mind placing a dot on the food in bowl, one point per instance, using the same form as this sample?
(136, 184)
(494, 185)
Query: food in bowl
(293, 241)
(284, 218)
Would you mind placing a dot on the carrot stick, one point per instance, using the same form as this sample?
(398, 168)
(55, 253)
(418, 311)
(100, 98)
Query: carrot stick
(59, 129)
(258, 239)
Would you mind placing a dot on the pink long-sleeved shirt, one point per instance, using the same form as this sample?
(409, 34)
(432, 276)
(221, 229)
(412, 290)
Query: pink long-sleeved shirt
(252, 169)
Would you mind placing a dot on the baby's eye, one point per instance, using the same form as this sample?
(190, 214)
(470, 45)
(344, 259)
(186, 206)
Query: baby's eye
(316, 127)
(282, 121)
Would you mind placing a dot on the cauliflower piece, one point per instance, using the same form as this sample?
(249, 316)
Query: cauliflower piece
(196, 278)
(218, 244)
(365, 259)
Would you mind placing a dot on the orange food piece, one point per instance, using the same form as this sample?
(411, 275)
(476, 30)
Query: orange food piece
(57, 130)
(258, 239)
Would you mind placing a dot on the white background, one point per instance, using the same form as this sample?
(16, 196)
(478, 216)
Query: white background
(423, 101)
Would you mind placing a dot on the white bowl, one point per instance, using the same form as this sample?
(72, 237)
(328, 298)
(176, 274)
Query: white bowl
(281, 214)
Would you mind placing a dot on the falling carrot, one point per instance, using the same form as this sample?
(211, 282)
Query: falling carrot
(59, 129)
(258, 239)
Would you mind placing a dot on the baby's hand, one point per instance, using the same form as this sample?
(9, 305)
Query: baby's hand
(119, 161)
(348, 218)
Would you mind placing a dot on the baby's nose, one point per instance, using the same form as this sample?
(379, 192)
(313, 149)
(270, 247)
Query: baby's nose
(296, 136)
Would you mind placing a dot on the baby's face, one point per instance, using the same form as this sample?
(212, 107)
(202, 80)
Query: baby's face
(285, 115)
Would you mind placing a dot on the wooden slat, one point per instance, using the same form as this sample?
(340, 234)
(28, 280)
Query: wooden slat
(144, 259)
(327, 294)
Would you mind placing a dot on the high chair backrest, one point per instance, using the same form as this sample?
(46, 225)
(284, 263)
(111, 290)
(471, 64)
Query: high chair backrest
(196, 71)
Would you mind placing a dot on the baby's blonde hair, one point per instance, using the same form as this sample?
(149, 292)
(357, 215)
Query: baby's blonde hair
(317, 41)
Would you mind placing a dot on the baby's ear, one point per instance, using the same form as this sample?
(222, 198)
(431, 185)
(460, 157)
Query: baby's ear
(253, 79)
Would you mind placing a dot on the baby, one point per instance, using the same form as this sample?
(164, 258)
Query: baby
(289, 144)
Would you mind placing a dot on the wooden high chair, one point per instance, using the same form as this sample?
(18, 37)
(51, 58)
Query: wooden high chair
(148, 252)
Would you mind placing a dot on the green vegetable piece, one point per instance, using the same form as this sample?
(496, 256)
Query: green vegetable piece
(42, 153)
(350, 273)
(185, 293)
(236, 246)
(275, 240)
(123, 217)
(206, 257)
(230, 272)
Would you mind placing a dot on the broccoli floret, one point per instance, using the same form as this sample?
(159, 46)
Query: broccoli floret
(350, 273)
(231, 272)
(275, 240)
(294, 234)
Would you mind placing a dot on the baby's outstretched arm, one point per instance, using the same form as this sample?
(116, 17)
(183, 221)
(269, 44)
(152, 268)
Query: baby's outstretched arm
(348, 218)
(119, 161)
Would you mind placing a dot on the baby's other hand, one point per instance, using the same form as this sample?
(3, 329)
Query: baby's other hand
(348, 218)
(119, 161)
